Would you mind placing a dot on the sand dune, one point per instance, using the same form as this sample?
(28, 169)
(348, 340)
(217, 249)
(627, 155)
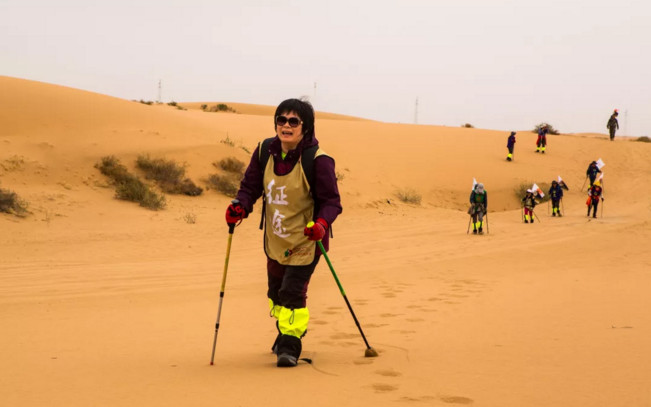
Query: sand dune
(109, 304)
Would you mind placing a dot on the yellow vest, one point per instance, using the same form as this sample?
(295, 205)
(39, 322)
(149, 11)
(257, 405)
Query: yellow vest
(289, 208)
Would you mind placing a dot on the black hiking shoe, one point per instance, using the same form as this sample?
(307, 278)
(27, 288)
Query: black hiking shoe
(537, 151)
(543, 151)
(481, 231)
(559, 215)
(474, 231)
(508, 158)
(274, 347)
(553, 213)
(286, 360)
(594, 216)
(526, 221)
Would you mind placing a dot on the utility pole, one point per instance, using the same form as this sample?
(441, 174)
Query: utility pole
(160, 91)
(626, 122)
(416, 112)
(314, 101)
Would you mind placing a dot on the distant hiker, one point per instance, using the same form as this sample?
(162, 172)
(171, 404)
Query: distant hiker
(528, 203)
(594, 193)
(613, 124)
(541, 143)
(478, 207)
(556, 194)
(289, 202)
(591, 173)
(510, 144)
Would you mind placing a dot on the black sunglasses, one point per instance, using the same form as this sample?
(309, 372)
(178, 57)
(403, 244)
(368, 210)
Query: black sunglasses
(293, 121)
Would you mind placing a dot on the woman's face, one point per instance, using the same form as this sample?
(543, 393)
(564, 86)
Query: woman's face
(289, 136)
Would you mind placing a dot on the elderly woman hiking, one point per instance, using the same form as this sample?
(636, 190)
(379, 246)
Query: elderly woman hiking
(298, 184)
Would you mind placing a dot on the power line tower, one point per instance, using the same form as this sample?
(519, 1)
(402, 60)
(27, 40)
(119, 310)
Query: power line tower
(416, 112)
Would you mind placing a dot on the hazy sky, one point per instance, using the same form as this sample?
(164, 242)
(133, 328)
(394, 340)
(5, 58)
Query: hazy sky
(498, 64)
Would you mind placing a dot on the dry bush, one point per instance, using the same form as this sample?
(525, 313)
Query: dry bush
(521, 190)
(220, 107)
(409, 196)
(11, 203)
(643, 139)
(128, 187)
(230, 164)
(228, 184)
(550, 129)
(468, 126)
(168, 175)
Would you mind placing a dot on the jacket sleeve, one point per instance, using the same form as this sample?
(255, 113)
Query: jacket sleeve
(472, 197)
(251, 185)
(326, 191)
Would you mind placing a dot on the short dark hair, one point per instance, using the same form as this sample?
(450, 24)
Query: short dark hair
(303, 109)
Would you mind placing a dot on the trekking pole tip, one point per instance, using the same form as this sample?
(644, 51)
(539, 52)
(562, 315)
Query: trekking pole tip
(370, 353)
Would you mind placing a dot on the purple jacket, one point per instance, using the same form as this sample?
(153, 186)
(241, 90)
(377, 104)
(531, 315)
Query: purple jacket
(325, 190)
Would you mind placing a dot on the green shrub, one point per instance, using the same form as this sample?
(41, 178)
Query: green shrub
(128, 187)
(11, 203)
(409, 196)
(643, 139)
(204, 107)
(172, 103)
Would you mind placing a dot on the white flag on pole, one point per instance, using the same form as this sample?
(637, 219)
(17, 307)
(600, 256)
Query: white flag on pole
(600, 164)
(536, 189)
(474, 183)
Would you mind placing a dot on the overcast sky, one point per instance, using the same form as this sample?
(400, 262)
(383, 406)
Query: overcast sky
(497, 64)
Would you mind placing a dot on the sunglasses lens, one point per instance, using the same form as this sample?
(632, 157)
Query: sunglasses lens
(294, 122)
(281, 120)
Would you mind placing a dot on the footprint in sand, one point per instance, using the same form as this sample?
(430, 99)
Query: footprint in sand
(388, 373)
(456, 400)
(383, 387)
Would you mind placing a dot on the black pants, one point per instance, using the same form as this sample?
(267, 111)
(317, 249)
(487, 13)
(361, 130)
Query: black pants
(555, 203)
(594, 204)
(287, 285)
(612, 132)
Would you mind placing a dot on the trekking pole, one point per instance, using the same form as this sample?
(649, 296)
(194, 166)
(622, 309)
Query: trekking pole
(536, 216)
(487, 231)
(522, 213)
(602, 207)
(583, 186)
(562, 206)
(469, 219)
(369, 352)
(231, 228)
(547, 208)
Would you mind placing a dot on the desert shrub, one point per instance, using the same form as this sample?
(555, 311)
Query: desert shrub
(11, 203)
(128, 187)
(468, 126)
(172, 103)
(409, 196)
(227, 184)
(550, 128)
(221, 107)
(227, 141)
(643, 139)
(204, 107)
(521, 190)
(168, 175)
(148, 102)
(230, 164)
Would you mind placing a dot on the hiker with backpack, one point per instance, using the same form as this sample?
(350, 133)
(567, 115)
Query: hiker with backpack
(594, 195)
(289, 203)
(591, 173)
(556, 194)
(510, 145)
(478, 208)
(529, 203)
(613, 124)
(541, 143)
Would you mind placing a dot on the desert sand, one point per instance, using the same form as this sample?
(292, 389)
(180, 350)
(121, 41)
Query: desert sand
(105, 303)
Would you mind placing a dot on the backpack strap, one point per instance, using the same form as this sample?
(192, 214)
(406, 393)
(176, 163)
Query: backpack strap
(263, 158)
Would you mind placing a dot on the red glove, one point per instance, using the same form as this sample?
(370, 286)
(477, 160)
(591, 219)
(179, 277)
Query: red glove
(317, 231)
(235, 213)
